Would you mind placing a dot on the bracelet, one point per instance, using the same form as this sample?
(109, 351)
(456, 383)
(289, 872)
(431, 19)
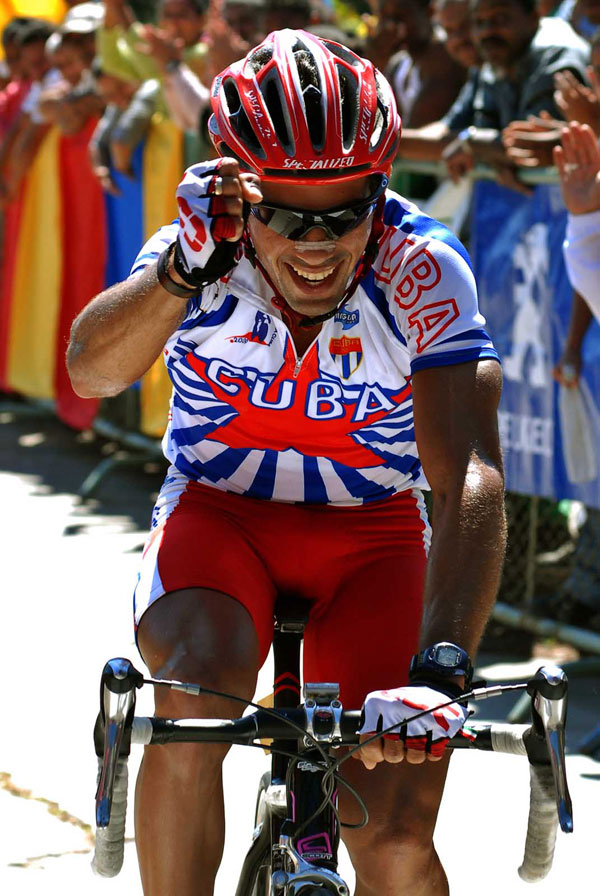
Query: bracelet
(165, 279)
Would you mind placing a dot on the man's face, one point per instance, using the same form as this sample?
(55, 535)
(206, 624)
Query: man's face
(247, 21)
(411, 21)
(293, 270)
(180, 20)
(12, 57)
(455, 18)
(115, 91)
(70, 63)
(34, 60)
(502, 30)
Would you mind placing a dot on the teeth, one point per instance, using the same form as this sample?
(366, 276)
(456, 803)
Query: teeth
(321, 275)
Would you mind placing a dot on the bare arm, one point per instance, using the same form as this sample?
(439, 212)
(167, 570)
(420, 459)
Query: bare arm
(120, 334)
(457, 435)
(425, 144)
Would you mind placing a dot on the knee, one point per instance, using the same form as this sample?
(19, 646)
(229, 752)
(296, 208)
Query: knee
(396, 859)
(237, 678)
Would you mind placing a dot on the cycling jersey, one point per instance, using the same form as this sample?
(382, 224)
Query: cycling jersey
(334, 426)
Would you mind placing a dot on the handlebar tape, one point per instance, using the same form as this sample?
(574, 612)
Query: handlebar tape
(542, 825)
(110, 841)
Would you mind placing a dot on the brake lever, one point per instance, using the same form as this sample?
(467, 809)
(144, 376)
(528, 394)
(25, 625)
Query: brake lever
(545, 743)
(117, 706)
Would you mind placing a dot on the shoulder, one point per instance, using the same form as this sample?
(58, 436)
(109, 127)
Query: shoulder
(407, 226)
(557, 45)
(150, 251)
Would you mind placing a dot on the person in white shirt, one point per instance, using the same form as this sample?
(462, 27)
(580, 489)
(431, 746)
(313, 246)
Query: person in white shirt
(578, 163)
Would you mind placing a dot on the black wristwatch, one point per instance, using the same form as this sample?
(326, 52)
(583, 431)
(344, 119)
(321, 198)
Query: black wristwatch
(443, 660)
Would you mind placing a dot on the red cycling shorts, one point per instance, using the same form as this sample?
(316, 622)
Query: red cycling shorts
(362, 567)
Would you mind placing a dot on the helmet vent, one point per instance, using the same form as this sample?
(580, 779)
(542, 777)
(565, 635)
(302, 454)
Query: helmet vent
(238, 120)
(381, 117)
(270, 89)
(350, 105)
(343, 53)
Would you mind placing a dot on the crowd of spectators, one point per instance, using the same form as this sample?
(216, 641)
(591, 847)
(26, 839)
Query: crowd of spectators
(476, 81)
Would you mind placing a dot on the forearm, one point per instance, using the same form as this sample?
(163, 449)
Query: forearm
(582, 253)
(120, 334)
(465, 561)
(425, 144)
(579, 323)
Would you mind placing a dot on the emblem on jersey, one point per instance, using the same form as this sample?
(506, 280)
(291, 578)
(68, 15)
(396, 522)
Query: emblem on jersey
(259, 332)
(347, 319)
(346, 352)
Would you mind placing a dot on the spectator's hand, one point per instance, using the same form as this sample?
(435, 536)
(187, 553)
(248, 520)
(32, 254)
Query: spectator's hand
(425, 738)
(224, 45)
(507, 176)
(568, 369)
(458, 159)
(578, 163)
(576, 101)
(106, 181)
(211, 200)
(161, 46)
(529, 144)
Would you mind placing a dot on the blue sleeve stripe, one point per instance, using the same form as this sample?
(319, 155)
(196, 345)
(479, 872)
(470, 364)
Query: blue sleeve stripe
(447, 359)
(480, 335)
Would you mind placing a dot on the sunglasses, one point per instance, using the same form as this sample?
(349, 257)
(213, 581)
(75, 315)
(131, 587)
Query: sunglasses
(294, 224)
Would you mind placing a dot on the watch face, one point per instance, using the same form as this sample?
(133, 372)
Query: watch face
(447, 656)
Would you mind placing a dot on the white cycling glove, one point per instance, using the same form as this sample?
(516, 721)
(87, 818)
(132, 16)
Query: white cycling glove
(430, 733)
(205, 250)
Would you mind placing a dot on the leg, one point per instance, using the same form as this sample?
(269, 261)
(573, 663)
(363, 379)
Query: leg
(394, 853)
(364, 639)
(202, 636)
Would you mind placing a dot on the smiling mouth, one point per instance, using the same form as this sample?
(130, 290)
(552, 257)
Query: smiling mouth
(312, 277)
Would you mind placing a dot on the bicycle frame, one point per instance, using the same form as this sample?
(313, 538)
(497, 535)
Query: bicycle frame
(295, 791)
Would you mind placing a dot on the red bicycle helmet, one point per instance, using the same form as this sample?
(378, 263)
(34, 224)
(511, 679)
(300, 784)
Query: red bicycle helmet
(299, 109)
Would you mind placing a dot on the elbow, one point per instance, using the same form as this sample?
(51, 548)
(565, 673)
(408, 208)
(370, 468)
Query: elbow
(86, 381)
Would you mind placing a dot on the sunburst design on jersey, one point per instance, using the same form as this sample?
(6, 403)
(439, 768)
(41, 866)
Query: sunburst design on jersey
(310, 413)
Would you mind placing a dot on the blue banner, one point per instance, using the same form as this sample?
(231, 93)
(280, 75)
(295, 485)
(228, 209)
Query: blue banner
(551, 445)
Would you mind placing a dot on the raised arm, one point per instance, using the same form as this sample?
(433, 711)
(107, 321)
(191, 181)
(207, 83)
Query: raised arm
(119, 335)
(455, 412)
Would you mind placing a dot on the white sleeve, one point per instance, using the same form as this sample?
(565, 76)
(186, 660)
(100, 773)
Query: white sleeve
(186, 97)
(150, 251)
(434, 298)
(582, 257)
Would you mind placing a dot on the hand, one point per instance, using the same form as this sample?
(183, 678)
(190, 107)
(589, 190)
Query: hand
(568, 369)
(161, 46)
(506, 176)
(458, 159)
(576, 101)
(106, 181)
(529, 144)
(211, 200)
(425, 738)
(578, 163)
(224, 45)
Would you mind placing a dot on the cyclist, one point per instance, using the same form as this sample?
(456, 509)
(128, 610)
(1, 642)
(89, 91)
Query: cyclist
(328, 363)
